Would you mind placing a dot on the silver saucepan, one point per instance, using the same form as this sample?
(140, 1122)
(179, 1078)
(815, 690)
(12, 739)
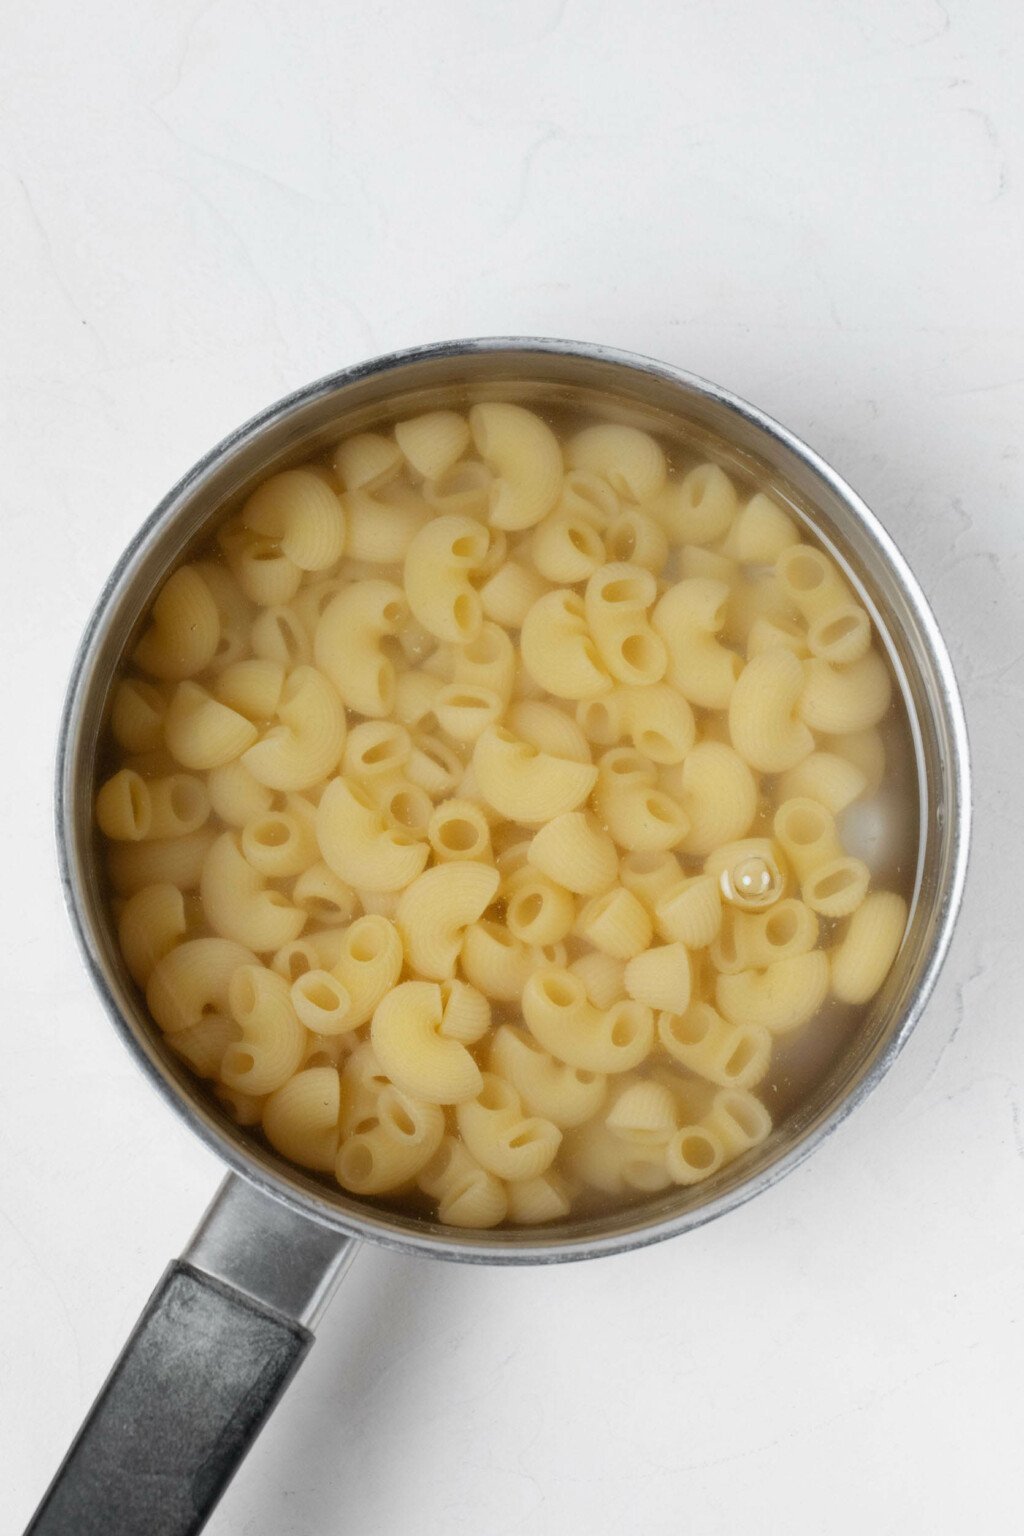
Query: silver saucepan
(232, 1319)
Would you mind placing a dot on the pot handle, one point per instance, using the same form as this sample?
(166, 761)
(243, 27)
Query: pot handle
(218, 1342)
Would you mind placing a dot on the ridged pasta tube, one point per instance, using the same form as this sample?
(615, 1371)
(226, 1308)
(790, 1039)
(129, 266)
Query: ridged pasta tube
(781, 998)
(300, 1119)
(406, 1035)
(202, 733)
(359, 845)
(631, 461)
(466, 1194)
(237, 904)
(565, 1022)
(273, 1041)
(184, 629)
(435, 910)
(501, 1137)
(731, 1055)
(348, 644)
(439, 564)
(688, 618)
(193, 979)
(558, 649)
(527, 785)
(763, 722)
(616, 601)
(305, 746)
(561, 1093)
(865, 954)
(433, 442)
(300, 511)
(525, 458)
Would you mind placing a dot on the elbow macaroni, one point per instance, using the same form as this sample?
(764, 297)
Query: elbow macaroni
(471, 716)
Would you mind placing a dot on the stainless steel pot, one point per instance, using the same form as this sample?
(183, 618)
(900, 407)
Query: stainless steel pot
(233, 1318)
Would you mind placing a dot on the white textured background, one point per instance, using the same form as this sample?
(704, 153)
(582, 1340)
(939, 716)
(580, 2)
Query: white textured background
(818, 205)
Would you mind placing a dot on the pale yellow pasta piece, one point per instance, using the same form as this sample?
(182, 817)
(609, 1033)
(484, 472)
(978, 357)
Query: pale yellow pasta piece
(588, 495)
(660, 977)
(562, 1018)
(775, 634)
(305, 744)
(659, 722)
(790, 927)
(699, 509)
(603, 976)
(558, 649)
(406, 1035)
(739, 1121)
(760, 532)
(499, 964)
(763, 709)
(690, 912)
(151, 923)
(175, 860)
(435, 910)
(359, 844)
(404, 803)
(124, 809)
(251, 687)
(527, 785)
(781, 998)
(649, 875)
(435, 765)
(382, 525)
(273, 1041)
(525, 458)
(538, 911)
(573, 850)
(545, 1198)
(465, 710)
(434, 442)
(865, 749)
(202, 1045)
(811, 581)
(179, 805)
(298, 510)
(439, 565)
(313, 952)
(465, 1012)
(415, 693)
(184, 628)
(642, 1114)
(688, 618)
(834, 781)
(376, 749)
(192, 979)
(563, 1094)
(865, 954)
(566, 548)
(237, 904)
(637, 539)
(466, 1194)
(718, 793)
(349, 644)
(845, 699)
(301, 1118)
(616, 923)
(407, 1134)
(264, 572)
(630, 460)
(616, 1167)
(639, 817)
(137, 715)
(616, 603)
(366, 461)
(278, 634)
(731, 1055)
(462, 491)
(458, 829)
(489, 661)
(841, 634)
(501, 1137)
(693, 1154)
(836, 889)
(807, 833)
(202, 733)
(324, 896)
(344, 998)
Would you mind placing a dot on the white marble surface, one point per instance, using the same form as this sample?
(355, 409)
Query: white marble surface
(820, 206)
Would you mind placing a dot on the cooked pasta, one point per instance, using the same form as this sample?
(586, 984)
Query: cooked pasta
(482, 805)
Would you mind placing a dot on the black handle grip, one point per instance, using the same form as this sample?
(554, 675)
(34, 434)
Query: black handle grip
(203, 1369)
